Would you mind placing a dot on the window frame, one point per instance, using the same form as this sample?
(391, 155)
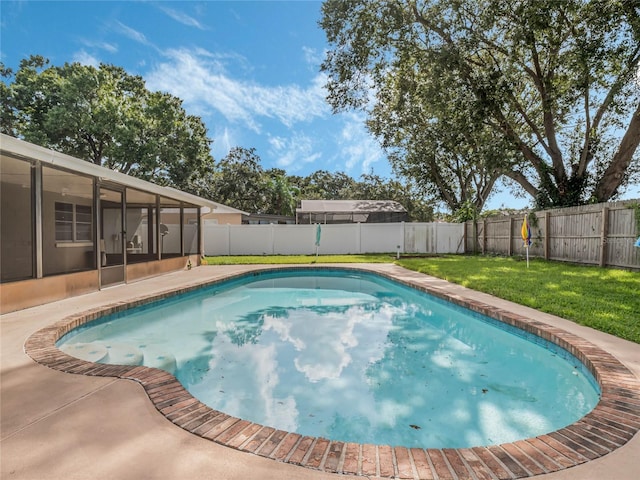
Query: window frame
(74, 222)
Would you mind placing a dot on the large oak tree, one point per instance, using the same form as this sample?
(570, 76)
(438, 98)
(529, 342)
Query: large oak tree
(440, 144)
(555, 83)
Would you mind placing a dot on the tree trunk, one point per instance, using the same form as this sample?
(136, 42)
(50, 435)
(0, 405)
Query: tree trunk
(613, 176)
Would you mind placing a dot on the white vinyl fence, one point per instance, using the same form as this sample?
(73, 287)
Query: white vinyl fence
(334, 239)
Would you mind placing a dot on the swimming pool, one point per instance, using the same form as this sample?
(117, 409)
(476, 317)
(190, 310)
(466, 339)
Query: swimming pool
(610, 425)
(390, 365)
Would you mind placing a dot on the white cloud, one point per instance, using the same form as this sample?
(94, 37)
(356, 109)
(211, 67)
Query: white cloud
(182, 17)
(109, 47)
(357, 146)
(204, 81)
(253, 378)
(293, 152)
(324, 353)
(201, 79)
(312, 57)
(85, 58)
(131, 33)
(278, 143)
(224, 140)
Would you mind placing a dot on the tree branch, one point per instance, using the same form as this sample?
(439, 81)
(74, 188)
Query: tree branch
(520, 109)
(614, 174)
(520, 179)
(548, 119)
(632, 65)
(483, 192)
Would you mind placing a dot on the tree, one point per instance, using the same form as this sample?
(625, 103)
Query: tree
(7, 113)
(325, 185)
(432, 136)
(283, 195)
(240, 181)
(554, 80)
(108, 117)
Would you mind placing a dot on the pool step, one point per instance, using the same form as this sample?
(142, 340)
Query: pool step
(159, 359)
(121, 354)
(90, 352)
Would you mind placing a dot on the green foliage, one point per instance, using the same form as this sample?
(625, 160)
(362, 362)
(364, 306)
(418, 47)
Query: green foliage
(467, 211)
(534, 221)
(240, 181)
(601, 298)
(7, 115)
(500, 212)
(324, 185)
(538, 91)
(283, 194)
(432, 135)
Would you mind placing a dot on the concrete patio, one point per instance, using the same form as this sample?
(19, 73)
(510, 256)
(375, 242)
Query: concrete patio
(57, 425)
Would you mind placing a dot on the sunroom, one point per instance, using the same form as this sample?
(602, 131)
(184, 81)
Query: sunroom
(70, 227)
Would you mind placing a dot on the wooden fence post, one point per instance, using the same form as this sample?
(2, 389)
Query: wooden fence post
(484, 236)
(510, 248)
(603, 236)
(475, 236)
(464, 238)
(547, 223)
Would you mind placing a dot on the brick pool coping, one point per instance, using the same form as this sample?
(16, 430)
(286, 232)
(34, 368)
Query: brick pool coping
(611, 424)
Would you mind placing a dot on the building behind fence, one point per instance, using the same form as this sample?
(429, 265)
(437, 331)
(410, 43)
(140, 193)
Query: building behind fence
(602, 234)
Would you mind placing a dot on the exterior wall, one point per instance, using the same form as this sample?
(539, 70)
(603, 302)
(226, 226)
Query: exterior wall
(139, 271)
(334, 239)
(260, 219)
(306, 218)
(38, 291)
(223, 218)
(29, 293)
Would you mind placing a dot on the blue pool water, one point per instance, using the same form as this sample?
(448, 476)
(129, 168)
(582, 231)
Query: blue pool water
(350, 356)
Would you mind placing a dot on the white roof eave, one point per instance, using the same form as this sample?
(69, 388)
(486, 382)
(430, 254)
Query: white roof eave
(47, 156)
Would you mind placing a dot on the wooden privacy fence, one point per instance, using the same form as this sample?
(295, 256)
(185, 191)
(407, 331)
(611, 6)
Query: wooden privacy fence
(603, 234)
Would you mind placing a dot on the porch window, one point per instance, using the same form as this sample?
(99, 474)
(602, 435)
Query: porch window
(73, 222)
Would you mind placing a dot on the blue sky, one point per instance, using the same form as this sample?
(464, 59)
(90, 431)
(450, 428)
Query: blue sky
(250, 69)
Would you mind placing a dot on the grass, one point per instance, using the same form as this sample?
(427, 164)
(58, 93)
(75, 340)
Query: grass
(605, 299)
(602, 298)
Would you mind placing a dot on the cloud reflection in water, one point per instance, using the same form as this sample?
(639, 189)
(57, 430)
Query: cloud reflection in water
(359, 358)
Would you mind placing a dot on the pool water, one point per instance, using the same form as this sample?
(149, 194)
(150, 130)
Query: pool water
(350, 357)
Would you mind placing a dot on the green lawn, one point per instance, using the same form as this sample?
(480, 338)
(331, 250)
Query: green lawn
(602, 298)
